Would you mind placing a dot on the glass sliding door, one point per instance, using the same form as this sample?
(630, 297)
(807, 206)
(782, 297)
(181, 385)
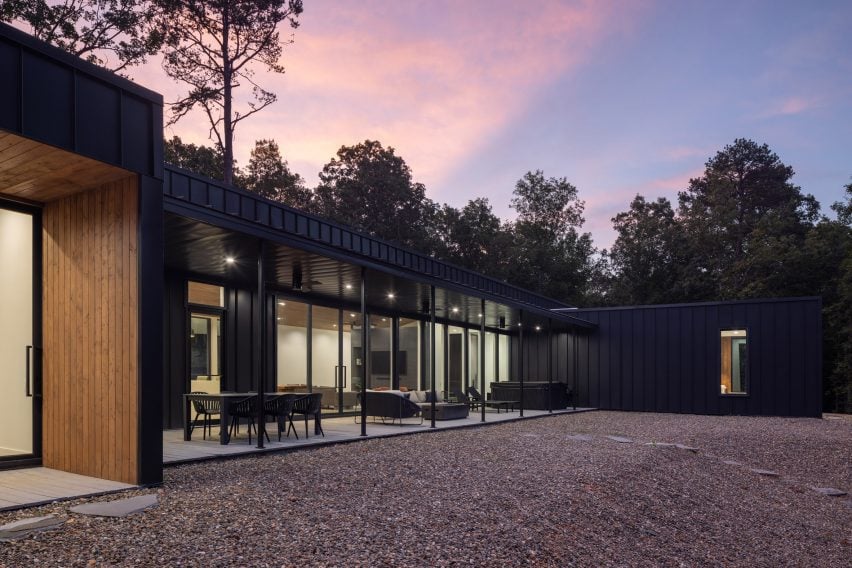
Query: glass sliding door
(409, 354)
(205, 352)
(292, 351)
(326, 374)
(17, 353)
(381, 352)
(455, 362)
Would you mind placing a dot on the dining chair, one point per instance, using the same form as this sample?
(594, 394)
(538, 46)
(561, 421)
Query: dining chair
(206, 408)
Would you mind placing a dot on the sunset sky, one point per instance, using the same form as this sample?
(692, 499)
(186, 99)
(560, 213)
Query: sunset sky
(619, 97)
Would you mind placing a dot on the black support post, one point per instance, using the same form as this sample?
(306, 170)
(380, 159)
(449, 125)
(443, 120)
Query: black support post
(549, 366)
(364, 353)
(521, 360)
(432, 348)
(260, 347)
(482, 355)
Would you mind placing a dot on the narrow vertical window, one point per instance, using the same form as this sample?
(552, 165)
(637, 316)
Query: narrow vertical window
(734, 362)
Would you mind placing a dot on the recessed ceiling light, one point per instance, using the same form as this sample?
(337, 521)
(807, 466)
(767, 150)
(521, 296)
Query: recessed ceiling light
(455, 310)
(230, 259)
(348, 286)
(351, 315)
(335, 325)
(391, 296)
(519, 324)
(479, 315)
(384, 319)
(538, 328)
(282, 303)
(279, 319)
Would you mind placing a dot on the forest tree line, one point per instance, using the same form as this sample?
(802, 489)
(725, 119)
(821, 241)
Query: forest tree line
(741, 230)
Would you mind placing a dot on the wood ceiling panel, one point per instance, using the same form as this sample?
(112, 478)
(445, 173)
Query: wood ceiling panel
(33, 171)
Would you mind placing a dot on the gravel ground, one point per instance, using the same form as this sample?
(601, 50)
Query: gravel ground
(522, 493)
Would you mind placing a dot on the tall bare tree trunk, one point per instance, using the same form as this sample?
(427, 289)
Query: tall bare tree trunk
(228, 143)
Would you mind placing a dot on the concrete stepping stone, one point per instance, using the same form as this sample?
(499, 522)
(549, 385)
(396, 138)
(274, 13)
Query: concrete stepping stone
(25, 527)
(119, 508)
(580, 437)
(766, 472)
(620, 439)
(687, 448)
(829, 491)
(731, 462)
(661, 444)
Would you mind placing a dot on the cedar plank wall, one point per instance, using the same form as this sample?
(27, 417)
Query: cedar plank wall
(90, 332)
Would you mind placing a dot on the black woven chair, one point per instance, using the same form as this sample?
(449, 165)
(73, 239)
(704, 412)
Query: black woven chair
(310, 405)
(281, 409)
(477, 398)
(206, 409)
(245, 408)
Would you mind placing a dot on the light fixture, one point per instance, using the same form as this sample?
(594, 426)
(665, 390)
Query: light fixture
(348, 286)
(282, 303)
(279, 319)
(520, 324)
(538, 328)
(384, 319)
(455, 310)
(391, 296)
(230, 259)
(335, 325)
(351, 315)
(479, 315)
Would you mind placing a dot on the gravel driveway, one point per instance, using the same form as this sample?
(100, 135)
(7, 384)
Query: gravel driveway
(522, 493)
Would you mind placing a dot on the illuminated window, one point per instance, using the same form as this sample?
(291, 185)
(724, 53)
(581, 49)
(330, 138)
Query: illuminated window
(734, 362)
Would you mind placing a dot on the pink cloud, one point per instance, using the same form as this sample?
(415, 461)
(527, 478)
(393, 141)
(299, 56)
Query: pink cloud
(790, 106)
(433, 79)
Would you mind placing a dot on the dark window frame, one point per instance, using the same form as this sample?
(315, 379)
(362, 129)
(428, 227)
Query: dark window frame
(748, 372)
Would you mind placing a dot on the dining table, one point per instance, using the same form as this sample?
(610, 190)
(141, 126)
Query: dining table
(226, 401)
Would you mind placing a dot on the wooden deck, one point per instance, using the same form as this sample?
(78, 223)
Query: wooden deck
(39, 485)
(337, 430)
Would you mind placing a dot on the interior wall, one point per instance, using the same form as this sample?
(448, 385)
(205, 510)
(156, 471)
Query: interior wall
(91, 384)
(16, 330)
(293, 355)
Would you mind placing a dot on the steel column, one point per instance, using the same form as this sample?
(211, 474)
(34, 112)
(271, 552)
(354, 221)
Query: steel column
(260, 347)
(482, 355)
(549, 366)
(432, 348)
(521, 360)
(364, 354)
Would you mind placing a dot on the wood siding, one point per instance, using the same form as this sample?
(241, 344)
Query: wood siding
(91, 382)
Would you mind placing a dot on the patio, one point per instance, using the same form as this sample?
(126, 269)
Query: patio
(337, 430)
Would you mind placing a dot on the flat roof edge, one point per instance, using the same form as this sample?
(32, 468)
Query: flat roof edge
(692, 304)
(547, 304)
(31, 43)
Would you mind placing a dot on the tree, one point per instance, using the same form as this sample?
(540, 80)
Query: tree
(111, 33)
(474, 237)
(644, 257)
(370, 188)
(269, 175)
(549, 254)
(742, 220)
(213, 46)
(200, 159)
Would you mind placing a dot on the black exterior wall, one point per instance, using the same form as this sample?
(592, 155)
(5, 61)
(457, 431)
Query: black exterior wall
(54, 97)
(667, 358)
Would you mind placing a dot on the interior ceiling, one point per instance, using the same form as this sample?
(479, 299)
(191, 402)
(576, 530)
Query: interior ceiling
(35, 172)
(202, 249)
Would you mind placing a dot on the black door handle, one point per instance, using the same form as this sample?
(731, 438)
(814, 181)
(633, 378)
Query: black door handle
(29, 352)
(344, 376)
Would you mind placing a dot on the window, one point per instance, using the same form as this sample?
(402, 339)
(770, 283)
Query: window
(734, 361)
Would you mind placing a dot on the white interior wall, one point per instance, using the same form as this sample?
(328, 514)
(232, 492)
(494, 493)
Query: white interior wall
(292, 355)
(324, 356)
(504, 357)
(16, 330)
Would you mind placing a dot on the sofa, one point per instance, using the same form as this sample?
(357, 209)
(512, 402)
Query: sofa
(389, 405)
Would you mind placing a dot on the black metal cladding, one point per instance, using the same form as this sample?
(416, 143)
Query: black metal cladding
(667, 358)
(188, 187)
(56, 98)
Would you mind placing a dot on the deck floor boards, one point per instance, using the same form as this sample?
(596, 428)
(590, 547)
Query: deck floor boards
(337, 429)
(37, 485)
